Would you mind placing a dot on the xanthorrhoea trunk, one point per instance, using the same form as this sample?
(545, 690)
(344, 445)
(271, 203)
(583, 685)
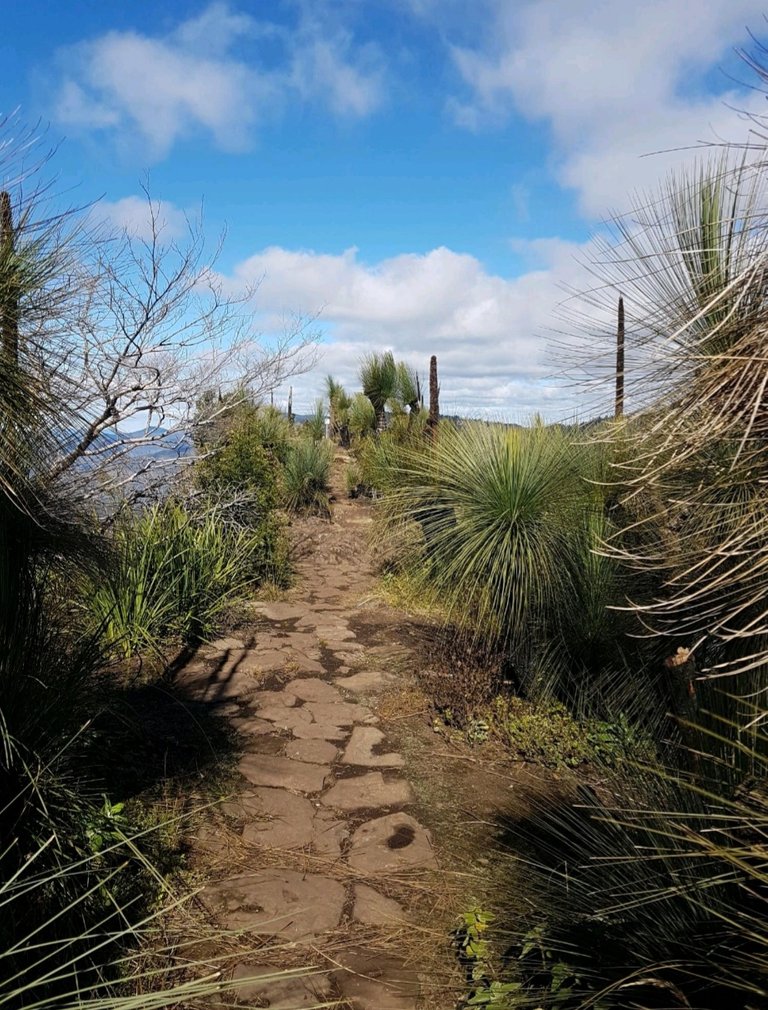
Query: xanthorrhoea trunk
(381, 419)
(9, 288)
(434, 395)
(14, 522)
(619, 404)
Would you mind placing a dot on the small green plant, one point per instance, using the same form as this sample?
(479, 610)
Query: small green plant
(475, 954)
(307, 477)
(106, 826)
(353, 480)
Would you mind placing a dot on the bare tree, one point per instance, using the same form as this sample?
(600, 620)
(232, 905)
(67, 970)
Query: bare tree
(130, 331)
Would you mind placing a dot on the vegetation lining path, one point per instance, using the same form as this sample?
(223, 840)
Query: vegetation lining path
(321, 836)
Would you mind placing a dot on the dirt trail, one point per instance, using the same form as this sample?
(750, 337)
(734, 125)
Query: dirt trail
(320, 853)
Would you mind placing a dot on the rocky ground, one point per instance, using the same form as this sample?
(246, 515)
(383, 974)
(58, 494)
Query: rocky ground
(321, 854)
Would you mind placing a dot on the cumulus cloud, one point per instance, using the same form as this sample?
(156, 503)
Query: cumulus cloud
(485, 329)
(133, 215)
(220, 73)
(613, 81)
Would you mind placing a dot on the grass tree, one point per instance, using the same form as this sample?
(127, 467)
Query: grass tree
(362, 419)
(502, 514)
(693, 264)
(379, 379)
(408, 389)
(338, 410)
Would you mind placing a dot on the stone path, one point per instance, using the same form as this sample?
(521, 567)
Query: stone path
(325, 810)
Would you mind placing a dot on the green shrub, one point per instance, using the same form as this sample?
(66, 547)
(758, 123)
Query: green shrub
(247, 461)
(354, 481)
(505, 515)
(361, 417)
(307, 477)
(109, 947)
(175, 573)
(547, 733)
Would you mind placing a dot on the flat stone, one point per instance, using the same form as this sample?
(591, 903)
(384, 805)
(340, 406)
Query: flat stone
(374, 909)
(391, 843)
(210, 838)
(265, 699)
(318, 731)
(252, 725)
(280, 611)
(316, 690)
(370, 790)
(228, 710)
(271, 659)
(286, 718)
(224, 645)
(215, 685)
(329, 834)
(275, 989)
(339, 713)
(366, 681)
(304, 664)
(284, 820)
(375, 981)
(360, 750)
(319, 752)
(268, 770)
(276, 902)
(334, 633)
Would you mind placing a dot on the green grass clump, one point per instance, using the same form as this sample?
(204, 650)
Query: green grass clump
(175, 573)
(509, 520)
(307, 476)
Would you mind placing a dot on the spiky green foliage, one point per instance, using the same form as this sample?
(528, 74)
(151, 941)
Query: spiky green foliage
(692, 516)
(504, 515)
(655, 898)
(315, 426)
(307, 477)
(110, 948)
(362, 417)
(175, 574)
(408, 388)
(378, 377)
(339, 403)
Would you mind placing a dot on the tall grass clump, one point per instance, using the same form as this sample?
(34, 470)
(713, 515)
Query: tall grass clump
(111, 947)
(314, 427)
(361, 417)
(307, 475)
(175, 573)
(651, 894)
(507, 517)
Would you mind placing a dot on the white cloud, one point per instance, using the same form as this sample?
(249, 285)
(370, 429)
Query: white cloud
(220, 74)
(133, 215)
(485, 329)
(614, 82)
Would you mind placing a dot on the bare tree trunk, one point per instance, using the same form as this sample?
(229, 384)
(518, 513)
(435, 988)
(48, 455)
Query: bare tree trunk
(434, 396)
(290, 405)
(9, 294)
(619, 406)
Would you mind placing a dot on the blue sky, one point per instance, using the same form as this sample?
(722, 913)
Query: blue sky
(424, 174)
